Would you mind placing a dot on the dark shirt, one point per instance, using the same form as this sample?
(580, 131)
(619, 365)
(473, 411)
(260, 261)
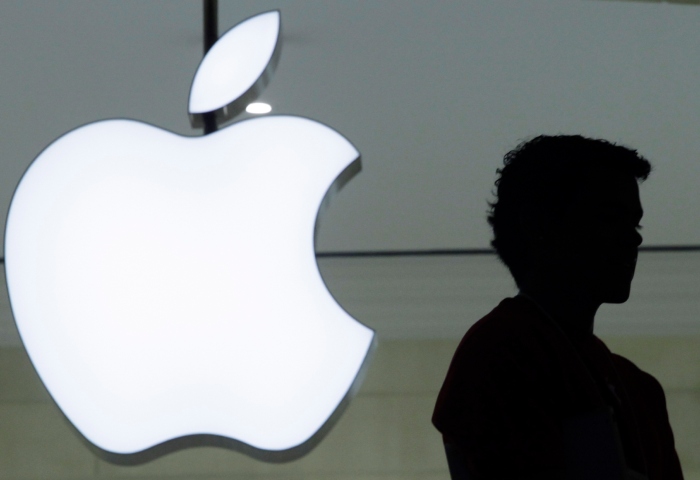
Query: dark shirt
(516, 385)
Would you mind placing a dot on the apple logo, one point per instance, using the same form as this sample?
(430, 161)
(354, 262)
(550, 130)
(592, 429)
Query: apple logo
(166, 287)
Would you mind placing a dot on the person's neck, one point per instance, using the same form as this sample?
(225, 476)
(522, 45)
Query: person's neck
(572, 310)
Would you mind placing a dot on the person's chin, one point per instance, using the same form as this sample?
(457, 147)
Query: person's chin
(618, 295)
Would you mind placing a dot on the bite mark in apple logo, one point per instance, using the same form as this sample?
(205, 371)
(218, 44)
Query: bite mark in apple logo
(166, 287)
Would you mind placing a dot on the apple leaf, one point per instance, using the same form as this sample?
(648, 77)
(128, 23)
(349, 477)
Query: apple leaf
(236, 68)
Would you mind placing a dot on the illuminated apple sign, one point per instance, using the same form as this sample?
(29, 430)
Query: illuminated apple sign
(166, 287)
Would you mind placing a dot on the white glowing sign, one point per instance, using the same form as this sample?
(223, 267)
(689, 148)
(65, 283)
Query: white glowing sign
(166, 287)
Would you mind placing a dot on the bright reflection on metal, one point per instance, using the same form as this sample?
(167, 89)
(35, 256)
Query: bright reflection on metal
(167, 286)
(258, 108)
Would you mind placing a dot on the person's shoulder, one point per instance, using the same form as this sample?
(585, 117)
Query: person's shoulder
(505, 327)
(476, 363)
(508, 319)
(506, 356)
(631, 373)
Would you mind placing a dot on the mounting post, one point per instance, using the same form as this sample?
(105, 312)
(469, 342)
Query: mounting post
(211, 34)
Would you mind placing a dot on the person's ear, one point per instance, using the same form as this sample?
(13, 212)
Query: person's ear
(532, 226)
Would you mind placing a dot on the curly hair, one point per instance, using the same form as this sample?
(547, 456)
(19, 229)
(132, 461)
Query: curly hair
(544, 174)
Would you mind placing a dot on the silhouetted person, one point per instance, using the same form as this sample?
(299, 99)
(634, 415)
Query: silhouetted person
(531, 392)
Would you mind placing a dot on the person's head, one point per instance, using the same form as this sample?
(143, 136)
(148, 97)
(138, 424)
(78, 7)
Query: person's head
(567, 211)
